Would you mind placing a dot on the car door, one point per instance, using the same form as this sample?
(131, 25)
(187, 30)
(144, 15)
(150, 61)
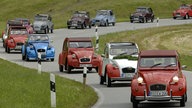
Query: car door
(111, 16)
(190, 11)
(65, 51)
(105, 59)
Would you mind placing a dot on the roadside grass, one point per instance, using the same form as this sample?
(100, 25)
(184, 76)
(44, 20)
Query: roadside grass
(171, 37)
(61, 10)
(25, 88)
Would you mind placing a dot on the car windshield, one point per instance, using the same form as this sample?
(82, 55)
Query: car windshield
(38, 38)
(123, 49)
(78, 15)
(40, 18)
(85, 44)
(19, 31)
(101, 12)
(158, 61)
(141, 10)
(184, 7)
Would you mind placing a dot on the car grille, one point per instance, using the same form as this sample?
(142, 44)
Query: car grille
(97, 21)
(128, 70)
(41, 50)
(157, 87)
(19, 44)
(177, 13)
(85, 60)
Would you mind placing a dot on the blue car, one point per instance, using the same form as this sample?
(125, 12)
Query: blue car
(104, 18)
(38, 43)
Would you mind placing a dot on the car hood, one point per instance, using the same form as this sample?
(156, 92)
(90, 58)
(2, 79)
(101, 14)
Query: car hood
(100, 17)
(19, 38)
(123, 63)
(39, 45)
(83, 54)
(138, 14)
(160, 77)
(76, 19)
(181, 11)
(39, 23)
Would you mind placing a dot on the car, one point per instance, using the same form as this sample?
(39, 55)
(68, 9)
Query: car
(79, 19)
(43, 23)
(38, 43)
(104, 18)
(78, 52)
(15, 37)
(119, 62)
(142, 14)
(184, 11)
(159, 77)
(26, 22)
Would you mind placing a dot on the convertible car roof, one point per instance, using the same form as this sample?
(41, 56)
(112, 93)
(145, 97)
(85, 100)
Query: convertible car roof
(79, 39)
(156, 53)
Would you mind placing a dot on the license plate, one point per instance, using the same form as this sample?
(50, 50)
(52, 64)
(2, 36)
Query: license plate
(158, 93)
(85, 65)
(127, 75)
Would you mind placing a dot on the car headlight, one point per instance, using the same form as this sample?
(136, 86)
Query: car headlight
(31, 47)
(5, 36)
(175, 79)
(140, 80)
(73, 56)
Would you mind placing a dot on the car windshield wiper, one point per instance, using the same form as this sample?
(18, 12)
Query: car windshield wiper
(169, 65)
(156, 65)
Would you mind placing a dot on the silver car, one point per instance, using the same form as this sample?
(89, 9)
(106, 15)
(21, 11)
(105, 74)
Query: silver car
(43, 23)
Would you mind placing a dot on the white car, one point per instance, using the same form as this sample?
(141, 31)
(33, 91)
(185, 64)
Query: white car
(119, 62)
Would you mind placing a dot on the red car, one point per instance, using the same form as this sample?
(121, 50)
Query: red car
(16, 37)
(184, 11)
(78, 52)
(159, 78)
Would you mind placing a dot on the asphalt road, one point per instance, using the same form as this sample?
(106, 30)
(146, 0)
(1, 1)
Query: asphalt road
(117, 96)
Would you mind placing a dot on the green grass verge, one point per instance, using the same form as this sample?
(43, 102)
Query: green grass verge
(61, 10)
(25, 88)
(171, 37)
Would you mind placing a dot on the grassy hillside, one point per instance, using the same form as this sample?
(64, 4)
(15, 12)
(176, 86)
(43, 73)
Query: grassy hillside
(171, 37)
(61, 10)
(25, 88)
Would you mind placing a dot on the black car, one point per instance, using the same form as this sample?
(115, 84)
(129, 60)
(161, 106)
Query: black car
(142, 14)
(80, 19)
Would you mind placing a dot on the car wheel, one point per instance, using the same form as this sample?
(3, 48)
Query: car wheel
(102, 80)
(131, 21)
(8, 50)
(26, 58)
(107, 23)
(52, 59)
(23, 57)
(68, 27)
(113, 23)
(186, 16)
(82, 26)
(134, 102)
(182, 101)
(69, 69)
(61, 68)
(45, 31)
(89, 26)
(174, 17)
(152, 19)
(5, 48)
(52, 30)
(108, 80)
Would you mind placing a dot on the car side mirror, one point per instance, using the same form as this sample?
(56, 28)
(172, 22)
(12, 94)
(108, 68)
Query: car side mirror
(183, 66)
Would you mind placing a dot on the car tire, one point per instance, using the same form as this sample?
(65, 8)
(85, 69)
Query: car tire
(134, 102)
(131, 21)
(52, 59)
(23, 57)
(8, 50)
(108, 80)
(52, 30)
(186, 16)
(69, 69)
(61, 68)
(113, 23)
(152, 19)
(174, 17)
(68, 27)
(90, 26)
(102, 80)
(182, 101)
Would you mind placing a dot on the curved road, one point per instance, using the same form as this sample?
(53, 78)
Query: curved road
(117, 96)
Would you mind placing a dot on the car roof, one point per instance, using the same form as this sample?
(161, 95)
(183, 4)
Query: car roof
(143, 7)
(78, 39)
(122, 43)
(42, 15)
(157, 53)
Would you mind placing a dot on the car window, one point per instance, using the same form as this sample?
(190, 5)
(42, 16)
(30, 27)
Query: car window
(158, 61)
(120, 49)
(40, 18)
(19, 31)
(141, 10)
(80, 44)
